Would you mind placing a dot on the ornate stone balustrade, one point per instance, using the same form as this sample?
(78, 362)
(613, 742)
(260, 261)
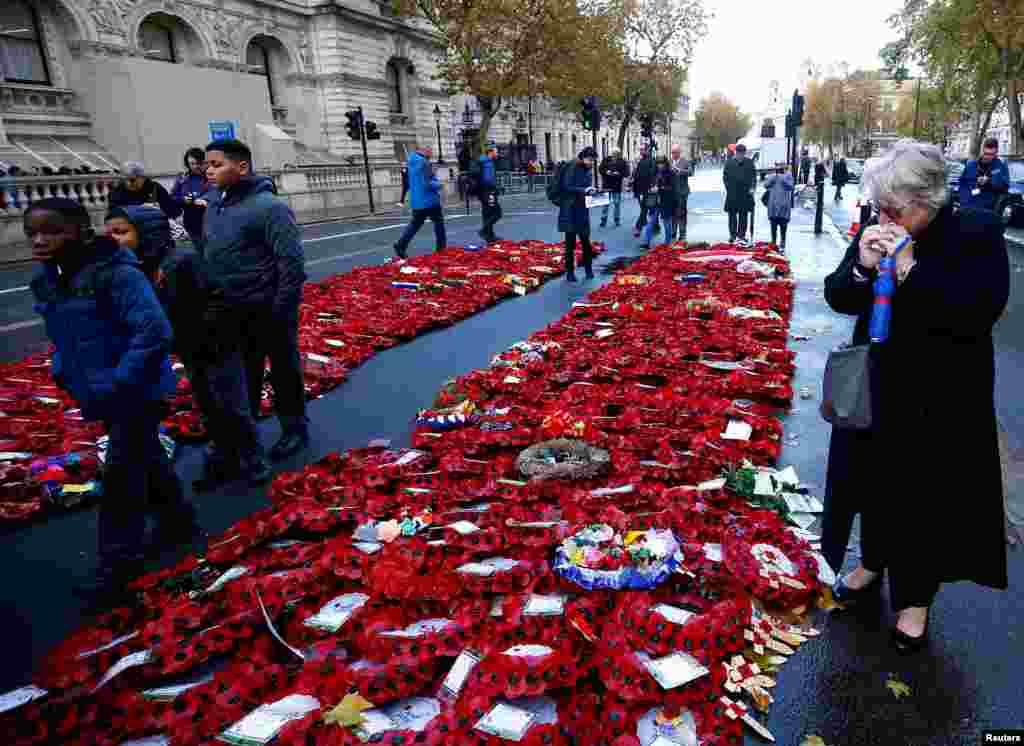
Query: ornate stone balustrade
(41, 110)
(314, 193)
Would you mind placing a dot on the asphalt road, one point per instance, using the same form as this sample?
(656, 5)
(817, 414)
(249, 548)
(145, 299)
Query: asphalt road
(834, 687)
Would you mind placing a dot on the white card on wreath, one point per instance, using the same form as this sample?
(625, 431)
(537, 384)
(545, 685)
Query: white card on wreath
(460, 671)
(673, 670)
(544, 605)
(506, 721)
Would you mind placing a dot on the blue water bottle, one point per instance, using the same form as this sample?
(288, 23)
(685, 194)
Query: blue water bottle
(885, 288)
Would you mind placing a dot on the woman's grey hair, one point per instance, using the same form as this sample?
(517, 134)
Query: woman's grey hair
(908, 171)
(134, 168)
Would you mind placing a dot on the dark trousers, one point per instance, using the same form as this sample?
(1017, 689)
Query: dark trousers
(490, 211)
(277, 339)
(779, 225)
(419, 217)
(849, 491)
(221, 390)
(679, 221)
(570, 251)
(738, 224)
(641, 220)
(839, 192)
(138, 477)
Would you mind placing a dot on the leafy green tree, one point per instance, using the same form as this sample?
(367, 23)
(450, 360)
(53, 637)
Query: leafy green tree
(973, 50)
(495, 50)
(661, 36)
(719, 122)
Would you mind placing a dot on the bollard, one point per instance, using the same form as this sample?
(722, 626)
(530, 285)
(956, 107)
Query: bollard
(819, 208)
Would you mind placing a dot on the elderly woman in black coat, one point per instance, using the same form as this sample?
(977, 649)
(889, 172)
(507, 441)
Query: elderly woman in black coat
(926, 478)
(577, 181)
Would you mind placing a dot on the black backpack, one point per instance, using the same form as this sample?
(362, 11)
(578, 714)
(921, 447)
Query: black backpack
(554, 190)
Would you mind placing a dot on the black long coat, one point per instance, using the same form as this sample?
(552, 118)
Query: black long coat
(739, 177)
(933, 460)
(573, 215)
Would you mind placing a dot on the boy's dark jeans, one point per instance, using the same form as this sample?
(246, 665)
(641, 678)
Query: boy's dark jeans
(268, 336)
(138, 477)
(220, 388)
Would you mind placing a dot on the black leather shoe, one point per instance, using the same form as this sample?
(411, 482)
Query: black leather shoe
(259, 472)
(589, 272)
(570, 277)
(217, 472)
(906, 643)
(178, 526)
(844, 594)
(399, 252)
(291, 442)
(109, 585)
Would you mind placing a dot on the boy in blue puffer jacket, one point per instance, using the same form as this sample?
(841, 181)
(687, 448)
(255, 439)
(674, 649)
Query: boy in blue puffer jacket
(146, 232)
(112, 340)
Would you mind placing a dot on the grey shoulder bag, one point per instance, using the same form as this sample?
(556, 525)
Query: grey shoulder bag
(846, 397)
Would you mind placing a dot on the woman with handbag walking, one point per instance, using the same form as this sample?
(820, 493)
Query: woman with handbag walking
(777, 197)
(925, 477)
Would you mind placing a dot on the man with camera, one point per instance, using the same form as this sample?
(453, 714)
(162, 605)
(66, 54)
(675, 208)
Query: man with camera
(985, 180)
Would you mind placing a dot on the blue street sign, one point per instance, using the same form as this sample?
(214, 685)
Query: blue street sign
(222, 130)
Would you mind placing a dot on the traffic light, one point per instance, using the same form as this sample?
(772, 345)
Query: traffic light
(768, 129)
(355, 124)
(372, 133)
(591, 114)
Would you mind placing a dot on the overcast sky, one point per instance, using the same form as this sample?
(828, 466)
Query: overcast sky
(751, 43)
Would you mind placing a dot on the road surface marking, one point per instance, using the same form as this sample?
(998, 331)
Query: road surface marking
(20, 325)
(19, 289)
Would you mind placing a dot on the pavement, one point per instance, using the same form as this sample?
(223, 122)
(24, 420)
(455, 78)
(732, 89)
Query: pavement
(834, 687)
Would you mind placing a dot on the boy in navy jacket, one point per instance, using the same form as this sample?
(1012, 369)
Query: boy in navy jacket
(112, 340)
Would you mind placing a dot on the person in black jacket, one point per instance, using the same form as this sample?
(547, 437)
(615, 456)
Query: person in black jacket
(682, 168)
(255, 264)
(577, 181)
(614, 170)
(643, 178)
(740, 178)
(138, 189)
(666, 189)
(805, 167)
(926, 478)
(840, 176)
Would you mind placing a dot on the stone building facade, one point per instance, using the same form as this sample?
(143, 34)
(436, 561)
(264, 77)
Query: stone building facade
(98, 82)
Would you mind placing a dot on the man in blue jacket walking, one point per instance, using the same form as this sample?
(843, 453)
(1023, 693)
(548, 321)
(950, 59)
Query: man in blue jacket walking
(111, 341)
(255, 268)
(985, 180)
(487, 180)
(425, 199)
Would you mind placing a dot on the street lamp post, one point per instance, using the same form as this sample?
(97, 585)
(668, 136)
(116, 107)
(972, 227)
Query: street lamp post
(437, 123)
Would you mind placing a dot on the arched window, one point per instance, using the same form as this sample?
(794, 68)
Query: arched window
(22, 59)
(394, 80)
(156, 39)
(258, 58)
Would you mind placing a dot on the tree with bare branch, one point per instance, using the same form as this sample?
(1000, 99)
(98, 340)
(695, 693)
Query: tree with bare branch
(496, 50)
